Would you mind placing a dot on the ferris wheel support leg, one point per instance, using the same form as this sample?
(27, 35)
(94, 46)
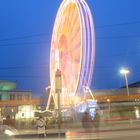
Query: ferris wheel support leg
(91, 95)
(49, 100)
(55, 102)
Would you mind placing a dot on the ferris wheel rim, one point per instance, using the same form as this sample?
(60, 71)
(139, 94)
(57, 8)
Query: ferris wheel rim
(61, 9)
(79, 5)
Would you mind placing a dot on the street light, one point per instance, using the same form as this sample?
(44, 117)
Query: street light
(125, 72)
(108, 100)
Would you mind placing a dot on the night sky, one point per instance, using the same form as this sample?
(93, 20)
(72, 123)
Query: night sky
(25, 35)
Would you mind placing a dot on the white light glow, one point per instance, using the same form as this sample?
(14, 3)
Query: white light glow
(124, 71)
(137, 113)
(8, 132)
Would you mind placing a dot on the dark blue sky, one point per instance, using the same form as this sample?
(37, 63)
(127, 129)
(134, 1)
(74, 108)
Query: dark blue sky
(25, 34)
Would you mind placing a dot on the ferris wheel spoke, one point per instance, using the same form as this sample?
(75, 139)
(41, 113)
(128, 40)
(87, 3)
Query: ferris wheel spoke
(70, 14)
(75, 32)
(73, 53)
(67, 14)
(74, 50)
(73, 19)
(75, 26)
(74, 56)
(65, 28)
(66, 83)
(75, 44)
(72, 65)
(63, 65)
(59, 30)
(76, 59)
(71, 9)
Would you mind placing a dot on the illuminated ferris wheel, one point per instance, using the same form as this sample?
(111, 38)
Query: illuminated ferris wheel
(73, 46)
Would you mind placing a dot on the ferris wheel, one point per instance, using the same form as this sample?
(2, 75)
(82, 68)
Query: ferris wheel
(73, 46)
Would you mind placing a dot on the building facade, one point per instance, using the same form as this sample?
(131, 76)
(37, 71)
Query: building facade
(19, 105)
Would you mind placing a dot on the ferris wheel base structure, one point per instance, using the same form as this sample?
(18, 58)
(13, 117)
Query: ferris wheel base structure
(72, 50)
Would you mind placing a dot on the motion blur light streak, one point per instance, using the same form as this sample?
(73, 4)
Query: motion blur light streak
(73, 40)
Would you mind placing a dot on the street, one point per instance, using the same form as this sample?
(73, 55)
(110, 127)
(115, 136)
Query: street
(110, 135)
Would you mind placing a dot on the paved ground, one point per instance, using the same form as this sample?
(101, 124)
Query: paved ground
(104, 128)
(115, 135)
(127, 130)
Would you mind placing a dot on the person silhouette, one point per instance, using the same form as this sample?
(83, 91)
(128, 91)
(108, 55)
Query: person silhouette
(41, 126)
(87, 122)
(96, 122)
